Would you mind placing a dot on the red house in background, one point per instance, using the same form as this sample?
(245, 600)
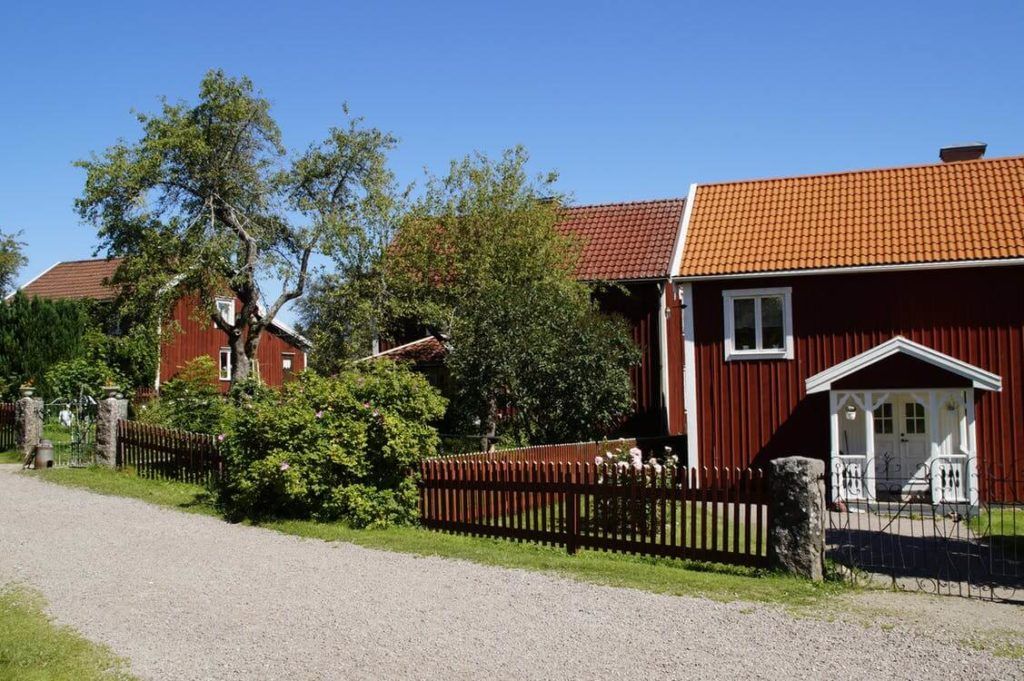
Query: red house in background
(874, 319)
(632, 245)
(282, 351)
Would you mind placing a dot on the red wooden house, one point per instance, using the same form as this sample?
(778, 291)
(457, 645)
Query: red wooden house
(282, 351)
(632, 245)
(874, 319)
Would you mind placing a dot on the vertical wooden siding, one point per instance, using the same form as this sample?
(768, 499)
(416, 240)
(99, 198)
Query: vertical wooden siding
(196, 338)
(750, 411)
(640, 307)
(674, 322)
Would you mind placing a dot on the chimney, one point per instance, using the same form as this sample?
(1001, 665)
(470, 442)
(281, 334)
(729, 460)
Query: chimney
(962, 152)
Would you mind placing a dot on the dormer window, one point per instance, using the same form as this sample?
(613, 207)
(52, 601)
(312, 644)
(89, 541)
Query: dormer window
(226, 310)
(758, 323)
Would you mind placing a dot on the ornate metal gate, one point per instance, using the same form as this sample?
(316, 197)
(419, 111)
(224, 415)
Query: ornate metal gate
(70, 424)
(907, 541)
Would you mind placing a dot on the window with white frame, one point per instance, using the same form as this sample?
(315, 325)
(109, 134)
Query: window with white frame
(226, 310)
(758, 323)
(225, 364)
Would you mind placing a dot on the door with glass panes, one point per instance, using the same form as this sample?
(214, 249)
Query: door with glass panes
(901, 443)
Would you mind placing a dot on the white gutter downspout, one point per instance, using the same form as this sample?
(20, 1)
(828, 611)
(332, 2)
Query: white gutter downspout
(689, 351)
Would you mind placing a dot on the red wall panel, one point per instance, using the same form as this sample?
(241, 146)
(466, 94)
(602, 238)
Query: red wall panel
(751, 411)
(194, 337)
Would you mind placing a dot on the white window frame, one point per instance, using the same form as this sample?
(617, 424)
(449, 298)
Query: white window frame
(220, 364)
(290, 356)
(229, 319)
(729, 297)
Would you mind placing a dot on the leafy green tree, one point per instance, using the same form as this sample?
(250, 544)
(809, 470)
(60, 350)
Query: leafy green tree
(12, 259)
(207, 202)
(36, 334)
(480, 259)
(190, 400)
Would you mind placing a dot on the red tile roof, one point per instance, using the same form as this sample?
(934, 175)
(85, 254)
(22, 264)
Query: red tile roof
(625, 240)
(75, 279)
(967, 210)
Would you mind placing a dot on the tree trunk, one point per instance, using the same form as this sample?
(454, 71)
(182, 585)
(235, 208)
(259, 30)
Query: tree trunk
(241, 362)
(490, 427)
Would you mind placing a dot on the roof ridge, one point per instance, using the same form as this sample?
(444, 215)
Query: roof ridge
(675, 199)
(83, 260)
(837, 173)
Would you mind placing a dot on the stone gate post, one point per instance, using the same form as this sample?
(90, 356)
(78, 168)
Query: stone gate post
(28, 422)
(796, 538)
(112, 408)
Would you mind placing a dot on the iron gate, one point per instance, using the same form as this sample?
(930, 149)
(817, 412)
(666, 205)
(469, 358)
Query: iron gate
(70, 425)
(901, 538)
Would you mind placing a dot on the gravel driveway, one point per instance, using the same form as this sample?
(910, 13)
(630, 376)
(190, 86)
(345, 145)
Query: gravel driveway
(190, 597)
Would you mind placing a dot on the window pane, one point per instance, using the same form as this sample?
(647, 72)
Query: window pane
(772, 333)
(915, 423)
(744, 331)
(225, 364)
(883, 419)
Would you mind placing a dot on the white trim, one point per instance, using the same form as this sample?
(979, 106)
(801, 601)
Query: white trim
(32, 280)
(689, 377)
(684, 227)
(950, 265)
(229, 320)
(663, 293)
(220, 354)
(729, 296)
(289, 331)
(822, 381)
(396, 348)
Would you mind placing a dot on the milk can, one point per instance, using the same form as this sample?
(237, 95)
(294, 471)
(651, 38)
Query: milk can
(44, 454)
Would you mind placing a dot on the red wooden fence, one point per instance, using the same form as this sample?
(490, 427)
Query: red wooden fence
(157, 452)
(8, 433)
(573, 452)
(709, 515)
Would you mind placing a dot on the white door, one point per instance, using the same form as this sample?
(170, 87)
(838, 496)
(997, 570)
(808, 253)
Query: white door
(915, 443)
(888, 462)
(902, 447)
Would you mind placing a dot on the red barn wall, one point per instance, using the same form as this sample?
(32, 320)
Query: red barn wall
(195, 338)
(639, 304)
(751, 411)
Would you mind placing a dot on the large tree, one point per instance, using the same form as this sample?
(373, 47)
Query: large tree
(12, 259)
(207, 202)
(480, 260)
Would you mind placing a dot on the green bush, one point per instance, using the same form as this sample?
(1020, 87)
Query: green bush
(191, 400)
(79, 376)
(344, 447)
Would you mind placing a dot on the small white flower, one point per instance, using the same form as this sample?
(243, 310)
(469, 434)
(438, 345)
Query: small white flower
(598, 460)
(285, 465)
(635, 453)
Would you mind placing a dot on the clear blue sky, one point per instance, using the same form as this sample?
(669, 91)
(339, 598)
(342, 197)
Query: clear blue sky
(626, 100)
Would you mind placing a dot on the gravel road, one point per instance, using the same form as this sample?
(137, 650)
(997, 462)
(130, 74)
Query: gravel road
(190, 597)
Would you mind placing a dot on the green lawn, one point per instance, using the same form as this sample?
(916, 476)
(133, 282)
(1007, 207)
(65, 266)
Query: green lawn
(10, 456)
(33, 648)
(1003, 526)
(650, 574)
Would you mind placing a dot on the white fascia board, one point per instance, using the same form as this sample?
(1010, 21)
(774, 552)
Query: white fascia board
(861, 269)
(684, 226)
(32, 280)
(389, 351)
(981, 379)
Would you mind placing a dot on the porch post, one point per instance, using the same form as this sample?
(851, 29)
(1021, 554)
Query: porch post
(933, 436)
(972, 449)
(833, 459)
(869, 445)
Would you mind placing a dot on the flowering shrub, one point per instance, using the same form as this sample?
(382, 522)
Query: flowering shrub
(625, 466)
(189, 401)
(344, 447)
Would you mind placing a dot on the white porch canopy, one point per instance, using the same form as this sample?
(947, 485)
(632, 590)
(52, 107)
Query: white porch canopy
(924, 438)
(979, 378)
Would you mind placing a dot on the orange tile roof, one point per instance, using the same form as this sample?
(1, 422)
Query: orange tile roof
(75, 279)
(968, 210)
(625, 240)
